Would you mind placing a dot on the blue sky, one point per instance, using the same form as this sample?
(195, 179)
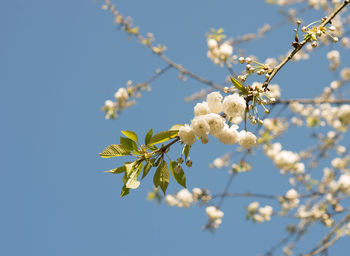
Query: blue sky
(59, 62)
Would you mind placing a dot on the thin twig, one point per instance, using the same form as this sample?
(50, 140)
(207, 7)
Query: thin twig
(126, 26)
(299, 46)
(313, 101)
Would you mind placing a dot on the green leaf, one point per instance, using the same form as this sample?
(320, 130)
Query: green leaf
(114, 151)
(125, 191)
(117, 170)
(129, 167)
(163, 136)
(239, 85)
(130, 135)
(152, 147)
(128, 143)
(176, 127)
(161, 177)
(148, 136)
(186, 151)
(131, 180)
(178, 173)
(146, 169)
(132, 183)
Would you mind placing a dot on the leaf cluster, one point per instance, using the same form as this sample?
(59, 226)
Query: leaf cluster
(146, 156)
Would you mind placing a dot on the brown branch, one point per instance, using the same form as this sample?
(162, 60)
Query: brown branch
(300, 45)
(248, 194)
(314, 101)
(127, 27)
(326, 242)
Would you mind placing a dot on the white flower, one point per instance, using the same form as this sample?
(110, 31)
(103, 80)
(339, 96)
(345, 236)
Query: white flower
(292, 194)
(345, 74)
(214, 213)
(226, 50)
(187, 135)
(121, 94)
(219, 163)
(333, 55)
(212, 43)
(170, 200)
(214, 101)
(215, 122)
(196, 193)
(344, 182)
(344, 114)
(286, 159)
(252, 207)
(228, 135)
(296, 107)
(246, 139)
(338, 163)
(109, 104)
(258, 218)
(300, 168)
(234, 105)
(184, 197)
(201, 109)
(272, 150)
(266, 212)
(200, 126)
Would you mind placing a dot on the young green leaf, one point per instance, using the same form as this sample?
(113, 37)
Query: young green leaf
(129, 167)
(186, 151)
(128, 143)
(148, 136)
(146, 169)
(176, 127)
(130, 135)
(114, 151)
(178, 173)
(239, 85)
(162, 137)
(117, 170)
(131, 180)
(152, 147)
(125, 191)
(161, 177)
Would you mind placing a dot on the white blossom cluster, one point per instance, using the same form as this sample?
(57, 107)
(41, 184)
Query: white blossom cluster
(334, 59)
(184, 198)
(336, 116)
(275, 126)
(342, 184)
(215, 216)
(284, 159)
(259, 214)
(341, 163)
(290, 200)
(316, 212)
(219, 53)
(122, 100)
(208, 121)
(220, 162)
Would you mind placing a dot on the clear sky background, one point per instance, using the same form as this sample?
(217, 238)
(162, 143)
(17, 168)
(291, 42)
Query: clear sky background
(59, 62)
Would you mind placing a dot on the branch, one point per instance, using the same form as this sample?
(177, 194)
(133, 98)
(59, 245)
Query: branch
(299, 46)
(248, 194)
(127, 27)
(313, 101)
(326, 242)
